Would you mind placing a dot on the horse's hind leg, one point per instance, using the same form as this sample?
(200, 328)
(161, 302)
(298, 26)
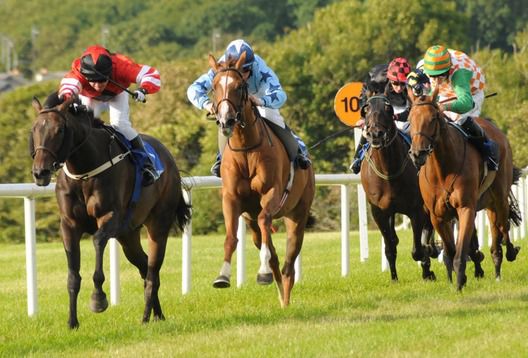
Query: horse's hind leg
(476, 255)
(73, 254)
(385, 223)
(295, 233)
(158, 231)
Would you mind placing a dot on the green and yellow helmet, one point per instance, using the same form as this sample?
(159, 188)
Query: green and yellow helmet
(437, 60)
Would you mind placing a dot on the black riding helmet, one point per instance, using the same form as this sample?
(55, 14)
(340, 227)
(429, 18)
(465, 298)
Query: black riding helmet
(98, 71)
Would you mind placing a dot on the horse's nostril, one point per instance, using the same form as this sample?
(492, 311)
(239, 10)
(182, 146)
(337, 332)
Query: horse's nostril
(41, 173)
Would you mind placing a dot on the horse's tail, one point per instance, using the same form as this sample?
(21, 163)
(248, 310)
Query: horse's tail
(183, 210)
(183, 213)
(515, 214)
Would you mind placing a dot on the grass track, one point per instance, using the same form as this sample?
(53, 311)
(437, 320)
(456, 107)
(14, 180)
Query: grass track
(363, 314)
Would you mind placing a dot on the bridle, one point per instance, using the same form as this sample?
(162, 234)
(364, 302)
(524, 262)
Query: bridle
(243, 89)
(64, 153)
(388, 137)
(431, 138)
(239, 118)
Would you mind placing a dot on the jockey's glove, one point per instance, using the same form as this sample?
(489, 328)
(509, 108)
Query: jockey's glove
(208, 106)
(256, 101)
(140, 95)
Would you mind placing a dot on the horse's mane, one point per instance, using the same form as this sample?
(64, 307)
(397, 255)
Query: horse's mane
(52, 101)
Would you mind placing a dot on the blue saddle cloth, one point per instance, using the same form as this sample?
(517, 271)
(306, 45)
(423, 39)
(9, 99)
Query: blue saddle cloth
(138, 158)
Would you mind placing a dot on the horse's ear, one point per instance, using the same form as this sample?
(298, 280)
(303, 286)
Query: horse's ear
(36, 104)
(241, 61)
(212, 63)
(66, 104)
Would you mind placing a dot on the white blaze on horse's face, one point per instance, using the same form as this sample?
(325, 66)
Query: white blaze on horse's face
(225, 112)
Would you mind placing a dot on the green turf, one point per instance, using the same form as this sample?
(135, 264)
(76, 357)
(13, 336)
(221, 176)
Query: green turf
(363, 314)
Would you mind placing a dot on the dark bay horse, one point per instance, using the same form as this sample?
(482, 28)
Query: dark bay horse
(100, 204)
(454, 184)
(255, 176)
(390, 182)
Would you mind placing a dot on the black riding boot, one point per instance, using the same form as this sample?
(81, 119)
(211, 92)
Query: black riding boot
(486, 147)
(215, 169)
(150, 174)
(356, 163)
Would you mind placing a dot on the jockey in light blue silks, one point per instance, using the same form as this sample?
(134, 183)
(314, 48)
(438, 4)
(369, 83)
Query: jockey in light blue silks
(264, 90)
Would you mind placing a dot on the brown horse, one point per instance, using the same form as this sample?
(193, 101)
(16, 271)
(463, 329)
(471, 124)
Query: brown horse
(256, 171)
(391, 186)
(455, 184)
(100, 204)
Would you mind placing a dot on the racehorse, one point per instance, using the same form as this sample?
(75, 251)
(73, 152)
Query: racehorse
(258, 180)
(99, 201)
(455, 184)
(391, 185)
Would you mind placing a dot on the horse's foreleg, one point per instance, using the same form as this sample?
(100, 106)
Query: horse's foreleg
(444, 229)
(268, 257)
(466, 222)
(71, 239)
(385, 223)
(419, 251)
(108, 227)
(231, 210)
(476, 255)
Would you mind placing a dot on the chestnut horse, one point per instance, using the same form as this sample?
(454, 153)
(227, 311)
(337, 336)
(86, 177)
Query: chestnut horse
(391, 186)
(256, 172)
(455, 184)
(99, 204)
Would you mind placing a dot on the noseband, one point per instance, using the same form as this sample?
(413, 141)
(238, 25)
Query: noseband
(243, 97)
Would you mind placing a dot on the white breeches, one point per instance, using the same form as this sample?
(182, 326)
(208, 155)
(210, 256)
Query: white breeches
(119, 113)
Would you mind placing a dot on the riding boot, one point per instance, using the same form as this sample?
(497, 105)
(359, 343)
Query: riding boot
(358, 156)
(302, 160)
(486, 147)
(215, 169)
(150, 174)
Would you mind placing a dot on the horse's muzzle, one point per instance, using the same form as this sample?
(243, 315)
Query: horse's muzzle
(419, 157)
(42, 177)
(376, 138)
(226, 126)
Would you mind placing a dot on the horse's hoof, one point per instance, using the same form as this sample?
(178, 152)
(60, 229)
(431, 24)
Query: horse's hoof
(98, 303)
(479, 273)
(430, 277)
(511, 255)
(73, 323)
(264, 278)
(221, 282)
(159, 317)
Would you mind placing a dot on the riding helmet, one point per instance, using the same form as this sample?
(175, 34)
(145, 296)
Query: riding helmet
(437, 60)
(96, 64)
(236, 48)
(398, 70)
